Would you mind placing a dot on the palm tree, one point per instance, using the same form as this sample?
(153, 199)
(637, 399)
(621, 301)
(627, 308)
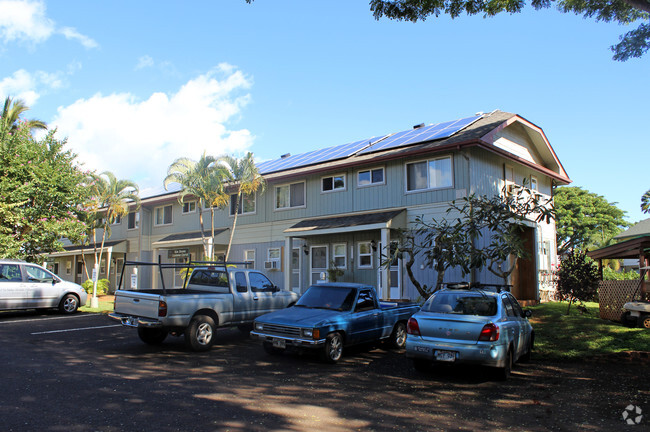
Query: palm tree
(245, 180)
(11, 113)
(111, 198)
(645, 202)
(203, 180)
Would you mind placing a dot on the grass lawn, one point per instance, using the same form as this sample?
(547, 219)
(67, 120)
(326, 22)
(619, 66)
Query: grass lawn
(105, 305)
(581, 335)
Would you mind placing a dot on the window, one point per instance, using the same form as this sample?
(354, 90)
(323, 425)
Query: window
(533, 183)
(134, 220)
(163, 215)
(290, 196)
(211, 278)
(260, 283)
(246, 206)
(429, 174)
(510, 311)
(240, 282)
(274, 257)
(333, 183)
(365, 301)
(102, 266)
(117, 219)
(37, 274)
(340, 255)
(370, 177)
(10, 273)
(249, 256)
(365, 255)
(68, 267)
(189, 207)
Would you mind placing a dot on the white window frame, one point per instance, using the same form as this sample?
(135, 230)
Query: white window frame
(334, 188)
(534, 184)
(277, 259)
(427, 162)
(189, 205)
(344, 255)
(288, 185)
(155, 215)
(247, 254)
(241, 207)
(136, 220)
(370, 170)
(369, 254)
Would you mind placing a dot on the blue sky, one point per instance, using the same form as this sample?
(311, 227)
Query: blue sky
(135, 85)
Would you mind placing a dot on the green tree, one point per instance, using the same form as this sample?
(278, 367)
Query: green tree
(634, 43)
(40, 192)
(244, 180)
(10, 117)
(645, 202)
(585, 219)
(577, 278)
(202, 180)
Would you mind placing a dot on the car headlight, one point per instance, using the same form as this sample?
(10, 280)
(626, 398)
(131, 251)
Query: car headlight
(259, 326)
(307, 332)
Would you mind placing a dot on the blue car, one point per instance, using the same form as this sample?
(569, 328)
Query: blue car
(470, 326)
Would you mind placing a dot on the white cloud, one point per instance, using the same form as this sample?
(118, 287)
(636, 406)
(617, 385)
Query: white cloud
(26, 21)
(27, 86)
(139, 139)
(144, 62)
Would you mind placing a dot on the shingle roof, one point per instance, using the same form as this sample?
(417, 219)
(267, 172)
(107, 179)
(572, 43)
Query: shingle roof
(640, 229)
(346, 221)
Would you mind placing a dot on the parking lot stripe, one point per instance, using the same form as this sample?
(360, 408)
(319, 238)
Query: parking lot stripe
(75, 329)
(45, 319)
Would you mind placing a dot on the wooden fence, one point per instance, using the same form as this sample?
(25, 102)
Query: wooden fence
(613, 294)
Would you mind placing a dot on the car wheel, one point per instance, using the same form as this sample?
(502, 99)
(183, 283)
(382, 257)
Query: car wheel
(398, 337)
(152, 336)
(69, 304)
(199, 335)
(644, 321)
(333, 350)
(420, 365)
(627, 319)
(270, 349)
(504, 372)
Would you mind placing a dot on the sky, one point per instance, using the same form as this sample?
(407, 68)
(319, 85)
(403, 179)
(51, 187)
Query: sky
(133, 86)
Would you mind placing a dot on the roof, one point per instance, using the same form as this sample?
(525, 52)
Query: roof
(640, 229)
(189, 236)
(633, 248)
(345, 222)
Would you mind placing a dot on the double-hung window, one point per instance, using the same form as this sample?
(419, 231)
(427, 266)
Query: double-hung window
(246, 204)
(163, 215)
(371, 177)
(429, 174)
(333, 183)
(290, 196)
(339, 255)
(364, 255)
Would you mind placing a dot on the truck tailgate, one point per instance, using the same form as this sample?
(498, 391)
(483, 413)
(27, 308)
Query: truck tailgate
(137, 304)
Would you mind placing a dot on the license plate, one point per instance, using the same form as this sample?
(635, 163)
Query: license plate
(279, 343)
(448, 356)
(421, 349)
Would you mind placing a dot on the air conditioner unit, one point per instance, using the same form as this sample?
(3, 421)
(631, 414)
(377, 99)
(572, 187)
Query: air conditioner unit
(271, 265)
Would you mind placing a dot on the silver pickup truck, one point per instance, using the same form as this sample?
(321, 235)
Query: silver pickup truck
(215, 295)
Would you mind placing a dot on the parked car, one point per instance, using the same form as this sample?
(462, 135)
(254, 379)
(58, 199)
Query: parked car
(330, 316)
(25, 285)
(216, 295)
(471, 326)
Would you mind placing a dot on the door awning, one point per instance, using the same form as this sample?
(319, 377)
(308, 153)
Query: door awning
(349, 223)
(189, 239)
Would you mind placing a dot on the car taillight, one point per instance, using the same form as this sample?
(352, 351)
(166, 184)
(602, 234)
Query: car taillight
(162, 309)
(413, 327)
(489, 333)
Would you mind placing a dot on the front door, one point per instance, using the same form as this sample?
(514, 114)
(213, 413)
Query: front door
(318, 263)
(395, 289)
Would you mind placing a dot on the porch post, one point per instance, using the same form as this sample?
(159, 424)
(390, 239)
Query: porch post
(288, 247)
(385, 269)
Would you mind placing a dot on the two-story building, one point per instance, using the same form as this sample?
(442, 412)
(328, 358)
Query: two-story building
(339, 208)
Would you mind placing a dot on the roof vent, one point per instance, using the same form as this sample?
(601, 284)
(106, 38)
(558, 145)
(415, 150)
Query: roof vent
(286, 155)
(418, 126)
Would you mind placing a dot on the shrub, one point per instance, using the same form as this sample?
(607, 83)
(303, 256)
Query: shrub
(577, 278)
(609, 274)
(102, 286)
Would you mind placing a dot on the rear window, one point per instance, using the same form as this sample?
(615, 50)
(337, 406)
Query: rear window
(213, 278)
(461, 303)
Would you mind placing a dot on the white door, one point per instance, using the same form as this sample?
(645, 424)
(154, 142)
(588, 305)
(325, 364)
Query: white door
(318, 263)
(395, 291)
(295, 269)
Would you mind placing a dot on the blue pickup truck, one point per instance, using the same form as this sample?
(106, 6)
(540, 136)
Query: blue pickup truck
(330, 316)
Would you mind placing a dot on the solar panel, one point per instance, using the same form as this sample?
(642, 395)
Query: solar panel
(426, 133)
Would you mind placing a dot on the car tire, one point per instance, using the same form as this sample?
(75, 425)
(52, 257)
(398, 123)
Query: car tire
(69, 304)
(152, 336)
(398, 336)
(270, 349)
(644, 321)
(420, 365)
(504, 373)
(627, 320)
(333, 349)
(199, 335)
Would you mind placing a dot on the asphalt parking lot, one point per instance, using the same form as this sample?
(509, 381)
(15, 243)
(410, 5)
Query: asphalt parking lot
(85, 373)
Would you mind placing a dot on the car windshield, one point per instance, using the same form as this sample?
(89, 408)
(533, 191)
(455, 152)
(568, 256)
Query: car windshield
(328, 297)
(461, 303)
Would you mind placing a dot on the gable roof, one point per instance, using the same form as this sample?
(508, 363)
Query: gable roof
(638, 230)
